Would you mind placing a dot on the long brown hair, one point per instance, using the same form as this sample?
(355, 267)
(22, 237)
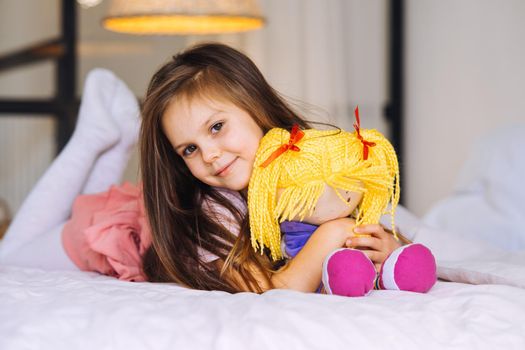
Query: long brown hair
(173, 196)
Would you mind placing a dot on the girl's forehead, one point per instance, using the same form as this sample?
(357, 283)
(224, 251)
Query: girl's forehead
(200, 101)
(185, 112)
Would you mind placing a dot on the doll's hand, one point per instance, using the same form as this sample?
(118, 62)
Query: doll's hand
(377, 245)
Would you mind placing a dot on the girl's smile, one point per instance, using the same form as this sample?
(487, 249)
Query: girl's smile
(216, 139)
(224, 171)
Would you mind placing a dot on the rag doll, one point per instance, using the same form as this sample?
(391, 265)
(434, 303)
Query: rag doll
(304, 178)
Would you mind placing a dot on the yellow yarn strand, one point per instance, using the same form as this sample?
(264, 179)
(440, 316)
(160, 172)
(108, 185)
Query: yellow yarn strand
(325, 157)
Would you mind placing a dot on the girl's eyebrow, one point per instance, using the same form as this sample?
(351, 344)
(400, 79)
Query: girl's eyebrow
(203, 126)
(179, 146)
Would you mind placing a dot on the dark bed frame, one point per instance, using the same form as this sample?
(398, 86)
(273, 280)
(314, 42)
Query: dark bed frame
(64, 105)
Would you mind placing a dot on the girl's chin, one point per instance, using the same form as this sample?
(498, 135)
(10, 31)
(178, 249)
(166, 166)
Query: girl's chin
(237, 186)
(240, 188)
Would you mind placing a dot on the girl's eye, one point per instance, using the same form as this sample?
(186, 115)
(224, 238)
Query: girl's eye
(216, 127)
(189, 150)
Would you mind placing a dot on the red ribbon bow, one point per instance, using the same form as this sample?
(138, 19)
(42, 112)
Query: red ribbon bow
(357, 127)
(295, 136)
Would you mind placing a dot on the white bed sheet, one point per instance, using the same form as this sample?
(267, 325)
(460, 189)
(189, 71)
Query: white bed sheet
(79, 310)
(482, 253)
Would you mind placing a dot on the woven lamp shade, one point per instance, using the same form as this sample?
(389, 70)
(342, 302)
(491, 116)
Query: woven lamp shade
(183, 17)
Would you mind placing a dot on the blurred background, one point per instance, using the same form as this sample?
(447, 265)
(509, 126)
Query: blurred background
(462, 72)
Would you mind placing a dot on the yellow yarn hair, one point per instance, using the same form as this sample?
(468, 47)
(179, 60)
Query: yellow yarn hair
(334, 158)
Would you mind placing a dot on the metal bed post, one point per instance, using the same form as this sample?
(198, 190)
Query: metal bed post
(394, 111)
(64, 105)
(66, 75)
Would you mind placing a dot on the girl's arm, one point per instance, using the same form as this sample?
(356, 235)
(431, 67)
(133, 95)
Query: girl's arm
(303, 272)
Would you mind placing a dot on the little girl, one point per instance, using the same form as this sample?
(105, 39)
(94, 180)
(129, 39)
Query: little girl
(204, 114)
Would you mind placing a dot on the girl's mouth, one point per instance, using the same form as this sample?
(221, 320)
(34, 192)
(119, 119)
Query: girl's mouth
(225, 170)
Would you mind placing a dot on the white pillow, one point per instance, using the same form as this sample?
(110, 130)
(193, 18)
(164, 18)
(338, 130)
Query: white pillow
(467, 260)
(488, 202)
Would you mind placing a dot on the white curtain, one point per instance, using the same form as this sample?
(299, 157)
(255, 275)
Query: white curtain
(330, 54)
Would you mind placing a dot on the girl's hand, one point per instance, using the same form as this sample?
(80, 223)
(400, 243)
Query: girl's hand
(377, 245)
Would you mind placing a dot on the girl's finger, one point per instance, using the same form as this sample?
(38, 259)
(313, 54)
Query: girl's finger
(371, 243)
(373, 255)
(371, 229)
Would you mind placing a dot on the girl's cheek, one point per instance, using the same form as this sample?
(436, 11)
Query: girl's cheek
(191, 167)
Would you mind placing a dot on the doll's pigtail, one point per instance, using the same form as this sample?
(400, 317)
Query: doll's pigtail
(262, 194)
(380, 179)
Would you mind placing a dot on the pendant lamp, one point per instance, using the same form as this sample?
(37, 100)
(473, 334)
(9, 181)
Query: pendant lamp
(183, 17)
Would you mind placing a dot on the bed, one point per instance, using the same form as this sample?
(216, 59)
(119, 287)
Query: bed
(75, 310)
(478, 303)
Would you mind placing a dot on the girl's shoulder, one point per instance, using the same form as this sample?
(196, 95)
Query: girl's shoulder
(220, 214)
(233, 197)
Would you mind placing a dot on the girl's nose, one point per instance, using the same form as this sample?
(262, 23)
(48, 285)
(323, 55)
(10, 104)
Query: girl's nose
(210, 154)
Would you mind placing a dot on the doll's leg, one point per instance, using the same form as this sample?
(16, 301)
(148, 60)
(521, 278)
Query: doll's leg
(49, 203)
(124, 110)
(348, 272)
(411, 268)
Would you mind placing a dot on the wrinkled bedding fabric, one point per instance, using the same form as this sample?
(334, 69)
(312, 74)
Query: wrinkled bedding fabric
(82, 310)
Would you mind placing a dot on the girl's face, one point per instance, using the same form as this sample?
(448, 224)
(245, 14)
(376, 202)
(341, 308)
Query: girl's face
(217, 140)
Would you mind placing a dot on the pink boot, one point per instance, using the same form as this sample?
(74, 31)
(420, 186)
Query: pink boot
(411, 268)
(348, 272)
